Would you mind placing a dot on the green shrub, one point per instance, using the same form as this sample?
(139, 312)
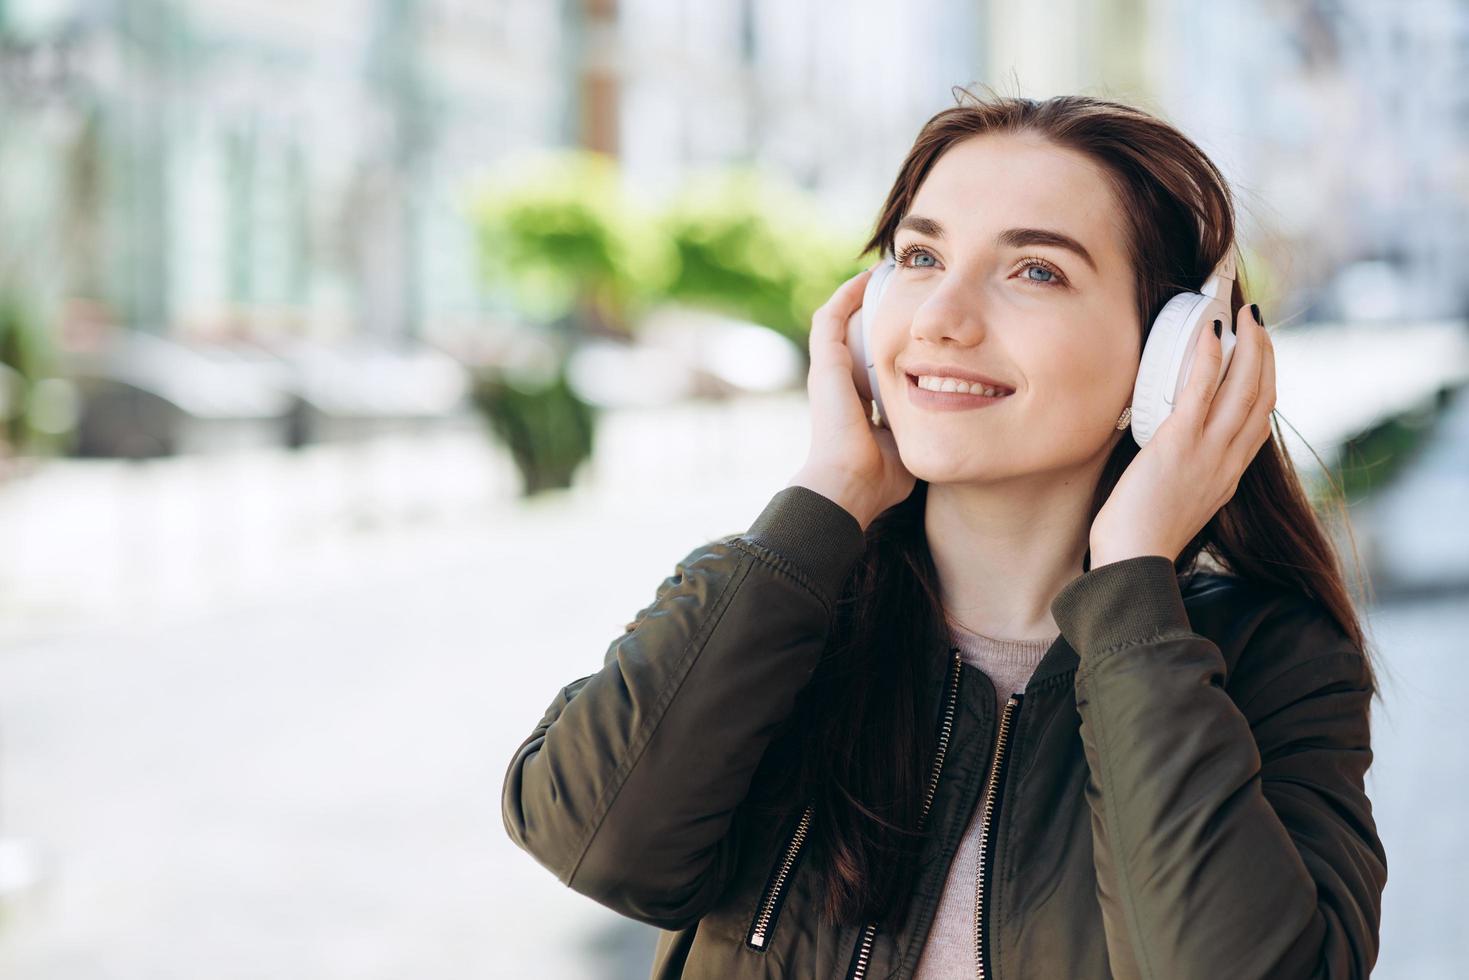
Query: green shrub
(755, 248)
(547, 428)
(558, 232)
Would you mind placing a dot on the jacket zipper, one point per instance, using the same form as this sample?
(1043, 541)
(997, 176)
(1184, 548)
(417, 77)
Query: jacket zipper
(775, 890)
(860, 956)
(981, 935)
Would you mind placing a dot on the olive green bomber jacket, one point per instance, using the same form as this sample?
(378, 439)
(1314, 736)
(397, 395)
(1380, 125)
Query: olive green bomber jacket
(1179, 789)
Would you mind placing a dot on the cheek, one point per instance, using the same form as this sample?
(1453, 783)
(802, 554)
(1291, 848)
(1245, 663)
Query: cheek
(888, 338)
(889, 329)
(1072, 388)
(1094, 366)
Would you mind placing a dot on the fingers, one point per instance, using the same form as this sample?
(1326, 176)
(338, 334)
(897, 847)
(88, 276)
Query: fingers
(829, 323)
(1203, 377)
(1255, 431)
(845, 301)
(1236, 400)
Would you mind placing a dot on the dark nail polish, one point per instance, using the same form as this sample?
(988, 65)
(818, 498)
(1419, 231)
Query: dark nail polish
(1255, 312)
(1218, 329)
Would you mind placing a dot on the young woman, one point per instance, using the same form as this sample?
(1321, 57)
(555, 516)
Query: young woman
(993, 691)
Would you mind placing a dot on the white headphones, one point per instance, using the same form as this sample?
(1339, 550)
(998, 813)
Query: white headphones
(1162, 372)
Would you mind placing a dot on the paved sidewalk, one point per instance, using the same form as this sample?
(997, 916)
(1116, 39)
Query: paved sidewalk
(254, 748)
(297, 774)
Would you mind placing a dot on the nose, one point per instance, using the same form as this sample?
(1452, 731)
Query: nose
(951, 313)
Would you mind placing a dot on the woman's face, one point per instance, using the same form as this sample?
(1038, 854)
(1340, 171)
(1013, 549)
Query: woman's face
(971, 291)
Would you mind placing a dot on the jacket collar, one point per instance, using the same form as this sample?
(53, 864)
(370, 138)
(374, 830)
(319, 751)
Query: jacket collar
(1061, 658)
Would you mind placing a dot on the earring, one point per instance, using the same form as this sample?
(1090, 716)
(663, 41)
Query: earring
(1125, 419)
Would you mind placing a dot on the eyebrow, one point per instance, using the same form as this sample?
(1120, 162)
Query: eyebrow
(1010, 237)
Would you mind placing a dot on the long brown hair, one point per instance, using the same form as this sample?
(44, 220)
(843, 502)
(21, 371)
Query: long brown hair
(863, 726)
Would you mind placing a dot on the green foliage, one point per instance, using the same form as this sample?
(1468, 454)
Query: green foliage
(548, 429)
(26, 350)
(558, 230)
(24, 345)
(560, 233)
(1374, 458)
(756, 249)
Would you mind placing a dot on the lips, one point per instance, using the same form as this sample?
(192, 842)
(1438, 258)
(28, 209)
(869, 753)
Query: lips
(1003, 389)
(947, 401)
(920, 368)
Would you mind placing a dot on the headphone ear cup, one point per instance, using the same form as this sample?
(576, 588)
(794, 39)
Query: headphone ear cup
(877, 284)
(1157, 373)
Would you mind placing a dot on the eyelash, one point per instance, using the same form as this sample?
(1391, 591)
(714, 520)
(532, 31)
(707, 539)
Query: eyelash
(1033, 260)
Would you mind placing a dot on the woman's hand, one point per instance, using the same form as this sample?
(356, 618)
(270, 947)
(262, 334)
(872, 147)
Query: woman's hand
(850, 461)
(1193, 464)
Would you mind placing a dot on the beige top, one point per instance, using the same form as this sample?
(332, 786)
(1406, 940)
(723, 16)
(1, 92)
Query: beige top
(949, 949)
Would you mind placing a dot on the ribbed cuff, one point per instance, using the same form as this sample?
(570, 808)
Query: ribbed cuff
(1121, 601)
(813, 532)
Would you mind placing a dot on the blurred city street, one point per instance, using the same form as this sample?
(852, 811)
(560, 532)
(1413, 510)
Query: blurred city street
(366, 365)
(304, 780)
(300, 775)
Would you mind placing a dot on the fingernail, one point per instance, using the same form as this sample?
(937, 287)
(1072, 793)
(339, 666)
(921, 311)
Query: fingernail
(1218, 329)
(1255, 312)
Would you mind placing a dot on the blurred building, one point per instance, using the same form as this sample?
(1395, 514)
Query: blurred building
(218, 166)
(829, 96)
(1345, 129)
(213, 166)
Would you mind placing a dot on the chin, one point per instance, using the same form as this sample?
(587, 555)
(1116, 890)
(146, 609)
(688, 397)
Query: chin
(935, 467)
(960, 460)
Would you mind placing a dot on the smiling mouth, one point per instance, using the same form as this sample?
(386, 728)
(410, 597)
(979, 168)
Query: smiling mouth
(962, 388)
(928, 400)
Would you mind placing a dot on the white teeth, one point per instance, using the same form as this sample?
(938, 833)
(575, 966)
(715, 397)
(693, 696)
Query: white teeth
(933, 382)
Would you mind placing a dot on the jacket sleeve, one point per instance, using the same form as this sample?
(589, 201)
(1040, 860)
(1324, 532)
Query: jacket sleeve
(627, 788)
(1229, 840)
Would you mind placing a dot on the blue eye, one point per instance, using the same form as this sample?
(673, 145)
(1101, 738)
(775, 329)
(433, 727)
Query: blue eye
(1035, 262)
(1056, 279)
(902, 256)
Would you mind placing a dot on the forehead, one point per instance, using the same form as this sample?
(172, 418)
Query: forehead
(985, 184)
